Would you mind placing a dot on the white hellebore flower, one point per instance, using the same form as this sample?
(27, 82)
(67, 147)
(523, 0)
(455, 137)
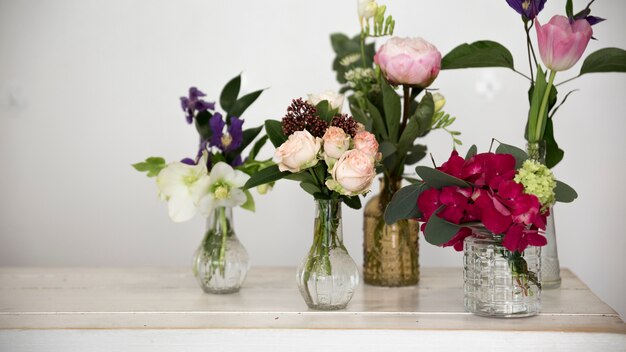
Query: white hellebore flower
(222, 188)
(366, 8)
(180, 185)
(334, 99)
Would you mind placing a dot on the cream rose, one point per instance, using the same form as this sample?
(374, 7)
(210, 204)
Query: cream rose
(334, 99)
(298, 152)
(366, 142)
(352, 174)
(336, 142)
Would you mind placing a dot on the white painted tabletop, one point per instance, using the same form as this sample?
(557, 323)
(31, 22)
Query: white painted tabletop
(156, 309)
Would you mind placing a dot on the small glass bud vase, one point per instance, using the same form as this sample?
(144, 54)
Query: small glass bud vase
(498, 282)
(327, 275)
(221, 262)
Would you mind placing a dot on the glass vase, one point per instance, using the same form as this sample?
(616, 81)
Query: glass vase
(327, 275)
(498, 282)
(551, 270)
(390, 252)
(221, 262)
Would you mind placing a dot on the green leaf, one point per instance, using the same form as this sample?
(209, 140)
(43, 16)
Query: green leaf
(538, 92)
(310, 188)
(403, 205)
(564, 193)
(478, 54)
(248, 136)
(378, 122)
(418, 124)
(438, 179)
(267, 175)
(202, 124)
(473, 150)
(554, 154)
(325, 111)
(153, 165)
(339, 42)
(360, 116)
(418, 152)
(353, 202)
(519, 154)
(274, 131)
(605, 60)
(439, 231)
(249, 204)
(257, 147)
(569, 9)
(393, 110)
(387, 148)
(230, 93)
(243, 103)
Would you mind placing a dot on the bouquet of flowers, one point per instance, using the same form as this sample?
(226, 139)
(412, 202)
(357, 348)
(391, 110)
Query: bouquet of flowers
(562, 42)
(505, 193)
(211, 183)
(334, 159)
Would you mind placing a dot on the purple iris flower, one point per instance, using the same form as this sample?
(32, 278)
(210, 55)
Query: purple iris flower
(586, 14)
(229, 141)
(194, 103)
(237, 161)
(529, 9)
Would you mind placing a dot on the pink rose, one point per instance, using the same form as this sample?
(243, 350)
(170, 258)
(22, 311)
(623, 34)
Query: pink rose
(336, 142)
(352, 174)
(409, 61)
(561, 43)
(366, 142)
(298, 152)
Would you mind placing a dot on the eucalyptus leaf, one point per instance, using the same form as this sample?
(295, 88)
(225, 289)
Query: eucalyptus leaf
(267, 175)
(403, 205)
(230, 93)
(274, 130)
(483, 53)
(473, 150)
(605, 60)
(439, 231)
(519, 155)
(564, 193)
(417, 153)
(438, 179)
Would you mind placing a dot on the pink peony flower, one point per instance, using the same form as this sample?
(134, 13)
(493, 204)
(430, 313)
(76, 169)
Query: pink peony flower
(409, 61)
(352, 174)
(366, 142)
(298, 152)
(561, 43)
(336, 142)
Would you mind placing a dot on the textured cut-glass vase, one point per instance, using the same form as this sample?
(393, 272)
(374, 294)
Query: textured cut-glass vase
(327, 275)
(390, 252)
(221, 262)
(551, 270)
(498, 282)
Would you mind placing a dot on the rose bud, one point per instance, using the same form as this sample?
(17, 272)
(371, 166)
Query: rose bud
(409, 61)
(352, 174)
(336, 142)
(298, 152)
(561, 43)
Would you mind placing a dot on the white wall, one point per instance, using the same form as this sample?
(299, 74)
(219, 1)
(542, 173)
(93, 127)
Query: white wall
(89, 87)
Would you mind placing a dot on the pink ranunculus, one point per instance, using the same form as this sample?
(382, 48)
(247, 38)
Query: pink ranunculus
(298, 152)
(352, 174)
(561, 43)
(336, 142)
(409, 61)
(367, 143)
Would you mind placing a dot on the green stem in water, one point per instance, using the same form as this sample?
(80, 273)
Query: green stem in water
(541, 119)
(224, 232)
(363, 48)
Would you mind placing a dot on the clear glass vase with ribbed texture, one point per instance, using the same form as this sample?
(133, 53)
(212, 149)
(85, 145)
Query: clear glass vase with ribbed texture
(498, 282)
(221, 261)
(550, 267)
(327, 276)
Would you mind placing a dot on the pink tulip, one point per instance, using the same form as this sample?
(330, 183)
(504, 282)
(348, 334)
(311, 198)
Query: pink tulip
(409, 61)
(561, 43)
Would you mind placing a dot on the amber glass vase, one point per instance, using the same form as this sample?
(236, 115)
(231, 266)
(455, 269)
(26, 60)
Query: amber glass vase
(390, 252)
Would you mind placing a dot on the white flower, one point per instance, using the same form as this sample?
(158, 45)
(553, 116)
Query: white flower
(222, 188)
(178, 184)
(298, 152)
(352, 174)
(334, 99)
(366, 8)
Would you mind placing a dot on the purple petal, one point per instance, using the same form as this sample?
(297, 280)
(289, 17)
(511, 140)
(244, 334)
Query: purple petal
(195, 93)
(236, 132)
(237, 161)
(184, 103)
(202, 105)
(189, 118)
(188, 161)
(529, 9)
(217, 128)
(201, 148)
(593, 20)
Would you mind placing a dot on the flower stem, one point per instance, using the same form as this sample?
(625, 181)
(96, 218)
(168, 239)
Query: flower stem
(406, 108)
(224, 232)
(529, 47)
(541, 120)
(363, 48)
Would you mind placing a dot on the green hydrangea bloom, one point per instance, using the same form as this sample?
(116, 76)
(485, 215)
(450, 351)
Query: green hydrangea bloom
(538, 180)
